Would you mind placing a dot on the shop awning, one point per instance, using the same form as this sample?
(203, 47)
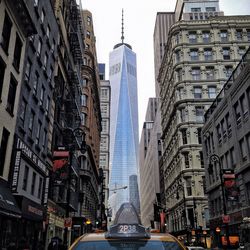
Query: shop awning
(8, 204)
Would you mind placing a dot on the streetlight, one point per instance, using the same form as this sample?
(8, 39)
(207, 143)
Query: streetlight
(216, 159)
(115, 189)
(75, 140)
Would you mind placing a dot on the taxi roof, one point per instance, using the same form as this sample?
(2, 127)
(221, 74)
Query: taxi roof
(101, 236)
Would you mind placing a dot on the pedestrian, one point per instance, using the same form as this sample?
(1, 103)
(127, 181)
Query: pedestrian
(55, 243)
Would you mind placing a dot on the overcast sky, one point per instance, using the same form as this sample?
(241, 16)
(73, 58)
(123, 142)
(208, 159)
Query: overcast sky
(139, 21)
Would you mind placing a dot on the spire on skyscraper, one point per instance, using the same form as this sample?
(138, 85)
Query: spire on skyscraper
(122, 37)
(122, 28)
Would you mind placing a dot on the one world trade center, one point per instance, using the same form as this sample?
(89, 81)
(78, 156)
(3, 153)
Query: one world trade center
(124, 138)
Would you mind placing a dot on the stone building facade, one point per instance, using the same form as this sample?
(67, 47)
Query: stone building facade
(199, 57)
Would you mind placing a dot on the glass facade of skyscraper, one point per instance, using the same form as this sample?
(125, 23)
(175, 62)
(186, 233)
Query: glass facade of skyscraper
(124, 127)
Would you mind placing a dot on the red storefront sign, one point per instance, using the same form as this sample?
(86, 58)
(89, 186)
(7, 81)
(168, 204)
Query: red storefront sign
(68, 222)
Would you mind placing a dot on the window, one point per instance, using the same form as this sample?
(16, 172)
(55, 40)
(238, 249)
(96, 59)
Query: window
(228, 71)
(189, 186)
(44, 138)
(180, 93)
(210, 73)
(210, 9)
(192, 37)
(31, 121)
(197, 92)
(195, 9)
(25, 178)
(47, 106)
(23, 111)
(199, 135)
(243, 149)
(50, 73)
(244, 105)
(194, 56)
(17, 52)
(223, 128)
(83, 119)
(179, 75)
(3, 148)
(196, 74)
(242, 51)
(35, 83)
(239, 35)
(45, 60)
(88, 34)
(48, 31)
(104, 94)
(237, 113)
(2, 72)
(232, 156)
(11, 95)
(38, 131)
(42, 16)
(39, 46)
(7, 25)
(27, 71)
(104, 126)
(226, 53)
(224, 36)
(183, 114)
(199, 113)
(206, 36)
(184, 135)
(218, 130)
(211, 92)
(186, 159)
(201, 159)
(89, 20)
(228, 124)
(42, 96)
(177, 56)
(33, 183)
(40, 187)
(248, 35)
(83, 100)
(208, 54)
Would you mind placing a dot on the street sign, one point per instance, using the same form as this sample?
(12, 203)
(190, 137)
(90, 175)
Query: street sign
(225, 219)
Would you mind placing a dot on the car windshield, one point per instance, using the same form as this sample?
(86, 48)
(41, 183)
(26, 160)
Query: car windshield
(129, 245)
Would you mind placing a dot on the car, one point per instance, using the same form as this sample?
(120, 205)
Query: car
(127, 233)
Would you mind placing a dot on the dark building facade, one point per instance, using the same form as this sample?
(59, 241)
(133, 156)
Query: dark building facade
(15, 26)
(31, 156)
(226, 147)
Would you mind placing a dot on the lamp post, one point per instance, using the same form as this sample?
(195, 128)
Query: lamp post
(71, 138)
(216, 159)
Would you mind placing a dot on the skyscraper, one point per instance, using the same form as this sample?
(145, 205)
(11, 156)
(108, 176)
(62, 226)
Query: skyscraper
(124, 125)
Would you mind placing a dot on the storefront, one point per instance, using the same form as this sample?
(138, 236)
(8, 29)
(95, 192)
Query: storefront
(55, 222)
(10, 215)
(31, 227)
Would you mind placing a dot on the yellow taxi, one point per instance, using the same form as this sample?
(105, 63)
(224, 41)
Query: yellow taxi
(127, 233)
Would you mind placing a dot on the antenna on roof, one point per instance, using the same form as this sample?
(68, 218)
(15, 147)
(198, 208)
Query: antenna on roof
(122, 28)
